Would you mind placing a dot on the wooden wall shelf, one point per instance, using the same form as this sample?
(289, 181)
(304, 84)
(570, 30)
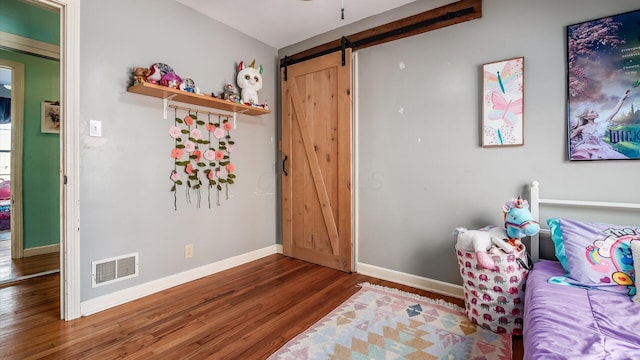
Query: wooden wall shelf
(164, 92)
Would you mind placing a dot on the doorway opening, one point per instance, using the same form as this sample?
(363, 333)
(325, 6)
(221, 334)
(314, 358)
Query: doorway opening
(5, 168)
(16, 262)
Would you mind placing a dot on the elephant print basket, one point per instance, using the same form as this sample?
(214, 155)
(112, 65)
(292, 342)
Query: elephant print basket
(494, 298)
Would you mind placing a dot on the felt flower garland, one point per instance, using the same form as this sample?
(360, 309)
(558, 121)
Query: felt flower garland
(224, 170)
(214, 163)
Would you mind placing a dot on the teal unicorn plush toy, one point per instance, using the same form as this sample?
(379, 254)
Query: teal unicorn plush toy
(518, 220)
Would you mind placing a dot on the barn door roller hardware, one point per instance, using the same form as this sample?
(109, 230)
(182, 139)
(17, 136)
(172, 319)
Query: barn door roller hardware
(451, 14)
(344, 43)
(287, 60)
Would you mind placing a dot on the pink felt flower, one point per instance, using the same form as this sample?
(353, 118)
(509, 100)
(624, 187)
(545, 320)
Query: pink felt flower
(219, 155)
(210, 127)
(198, 154)
(189, 146)
(210, 175)
(230, 148)
(176, 153)
(188, 120)
(209, 155)
(174, 132)
(230, 167)
(196, 134)
(188, 169)
(174, 176)
(218, 133)
(227, 126)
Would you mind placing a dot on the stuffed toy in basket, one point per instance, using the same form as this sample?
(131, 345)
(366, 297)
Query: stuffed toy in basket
(494, 276)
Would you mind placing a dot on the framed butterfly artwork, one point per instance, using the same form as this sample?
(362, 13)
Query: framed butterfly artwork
(503, 103)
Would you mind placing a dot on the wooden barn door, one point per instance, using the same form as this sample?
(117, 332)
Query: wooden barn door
(317, 165)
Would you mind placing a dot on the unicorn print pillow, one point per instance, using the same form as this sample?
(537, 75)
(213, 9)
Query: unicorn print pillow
(595, 254)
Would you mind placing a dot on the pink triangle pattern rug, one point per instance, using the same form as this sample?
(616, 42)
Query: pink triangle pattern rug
(383, 323)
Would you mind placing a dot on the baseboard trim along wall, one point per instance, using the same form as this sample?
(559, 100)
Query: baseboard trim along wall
(418, 282)
(105, 302)
(41, 250)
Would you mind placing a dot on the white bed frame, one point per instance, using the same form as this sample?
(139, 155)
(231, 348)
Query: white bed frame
(536, 201)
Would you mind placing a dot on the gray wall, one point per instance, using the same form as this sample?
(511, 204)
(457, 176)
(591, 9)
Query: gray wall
(126, 205)
(421, 173)
(421, 170)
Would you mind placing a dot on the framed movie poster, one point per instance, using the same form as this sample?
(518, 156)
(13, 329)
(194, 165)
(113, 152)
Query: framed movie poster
(503, 103)
(603, 88)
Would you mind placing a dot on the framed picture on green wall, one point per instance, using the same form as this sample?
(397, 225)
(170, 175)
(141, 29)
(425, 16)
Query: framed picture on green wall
(50, 117)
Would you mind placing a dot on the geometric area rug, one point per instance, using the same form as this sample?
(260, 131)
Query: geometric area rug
(383, 323)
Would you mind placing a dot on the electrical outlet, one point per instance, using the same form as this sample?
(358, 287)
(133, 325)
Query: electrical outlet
(95, 128)
(188, 251)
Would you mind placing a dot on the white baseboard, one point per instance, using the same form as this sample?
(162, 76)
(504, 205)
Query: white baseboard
(104, 302)
(41, 250)
(418, 282)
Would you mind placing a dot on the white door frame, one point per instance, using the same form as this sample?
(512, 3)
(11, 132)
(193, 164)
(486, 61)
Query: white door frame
(17, 124)
(69, 155)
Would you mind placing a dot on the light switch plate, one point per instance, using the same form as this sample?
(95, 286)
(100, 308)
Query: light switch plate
(95, 128)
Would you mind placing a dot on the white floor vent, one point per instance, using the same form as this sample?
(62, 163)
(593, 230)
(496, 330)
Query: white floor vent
(114, 269)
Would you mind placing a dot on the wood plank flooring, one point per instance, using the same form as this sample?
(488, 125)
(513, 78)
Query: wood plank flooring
(246, 312)
(11, 269)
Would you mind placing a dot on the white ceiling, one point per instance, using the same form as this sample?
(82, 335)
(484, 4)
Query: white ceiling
(280, 23)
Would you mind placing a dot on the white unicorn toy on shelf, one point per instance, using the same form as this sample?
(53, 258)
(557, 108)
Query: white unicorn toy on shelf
(250, 81)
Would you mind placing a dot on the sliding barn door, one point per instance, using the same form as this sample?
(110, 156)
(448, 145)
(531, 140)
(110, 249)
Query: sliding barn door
(317, 165)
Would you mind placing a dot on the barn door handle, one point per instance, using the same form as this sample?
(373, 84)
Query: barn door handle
(284, 165)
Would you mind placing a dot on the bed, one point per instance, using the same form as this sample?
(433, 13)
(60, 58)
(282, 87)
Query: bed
(572, 311)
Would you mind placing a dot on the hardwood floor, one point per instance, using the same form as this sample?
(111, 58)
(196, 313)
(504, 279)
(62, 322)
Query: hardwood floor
(246, 312)
(12, 269)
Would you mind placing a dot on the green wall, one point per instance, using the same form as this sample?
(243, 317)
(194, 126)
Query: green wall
(41, 151)
(29, 21)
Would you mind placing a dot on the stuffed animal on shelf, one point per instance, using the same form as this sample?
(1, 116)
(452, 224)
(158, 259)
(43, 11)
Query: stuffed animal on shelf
(250, 81)
(189, 85)
(154, 75)
(171, 80)
(481, 242)
(157, 72)
(140, 75)
(230, 93)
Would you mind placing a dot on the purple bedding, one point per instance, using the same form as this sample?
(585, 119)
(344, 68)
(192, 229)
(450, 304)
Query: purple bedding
(5, 215)
(563, 322)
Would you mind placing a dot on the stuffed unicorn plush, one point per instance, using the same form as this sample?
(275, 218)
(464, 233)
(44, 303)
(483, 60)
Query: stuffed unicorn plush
(518, 220)
(250, 81)
(481, 241)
